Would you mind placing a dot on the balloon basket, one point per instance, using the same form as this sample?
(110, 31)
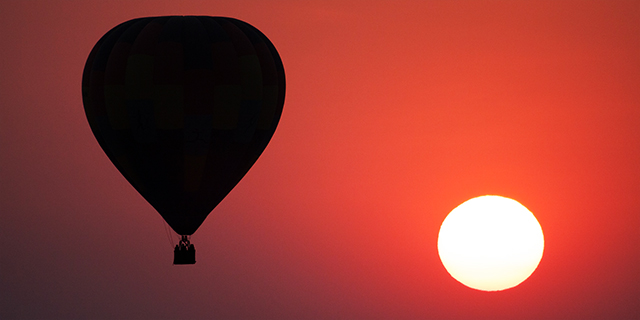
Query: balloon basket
(185, 252)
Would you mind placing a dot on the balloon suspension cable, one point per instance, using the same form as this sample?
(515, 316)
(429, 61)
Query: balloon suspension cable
(184, 252)
(168, 231)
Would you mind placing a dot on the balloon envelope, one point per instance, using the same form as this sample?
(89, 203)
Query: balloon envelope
(183, 106)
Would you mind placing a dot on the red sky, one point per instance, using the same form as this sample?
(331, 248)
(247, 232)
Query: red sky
(396, 112)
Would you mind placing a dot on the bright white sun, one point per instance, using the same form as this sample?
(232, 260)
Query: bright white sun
(490, 243)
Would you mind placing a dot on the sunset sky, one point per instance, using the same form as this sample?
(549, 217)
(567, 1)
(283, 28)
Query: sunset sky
(396, 112)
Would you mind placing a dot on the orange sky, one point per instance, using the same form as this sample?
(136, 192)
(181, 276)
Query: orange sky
(396, 112)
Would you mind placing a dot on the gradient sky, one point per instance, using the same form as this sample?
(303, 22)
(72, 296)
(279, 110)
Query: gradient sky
(396, 112)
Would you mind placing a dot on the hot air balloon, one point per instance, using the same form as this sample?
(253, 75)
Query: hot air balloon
(183, 106)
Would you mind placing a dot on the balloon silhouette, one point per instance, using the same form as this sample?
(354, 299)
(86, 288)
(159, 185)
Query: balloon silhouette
(183, 106)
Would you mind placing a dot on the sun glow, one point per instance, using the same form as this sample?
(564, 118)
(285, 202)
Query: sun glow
(490, 243)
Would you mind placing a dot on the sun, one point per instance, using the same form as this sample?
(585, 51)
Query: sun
(490, 243)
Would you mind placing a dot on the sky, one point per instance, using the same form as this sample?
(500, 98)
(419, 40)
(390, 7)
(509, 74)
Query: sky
(396, 112)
